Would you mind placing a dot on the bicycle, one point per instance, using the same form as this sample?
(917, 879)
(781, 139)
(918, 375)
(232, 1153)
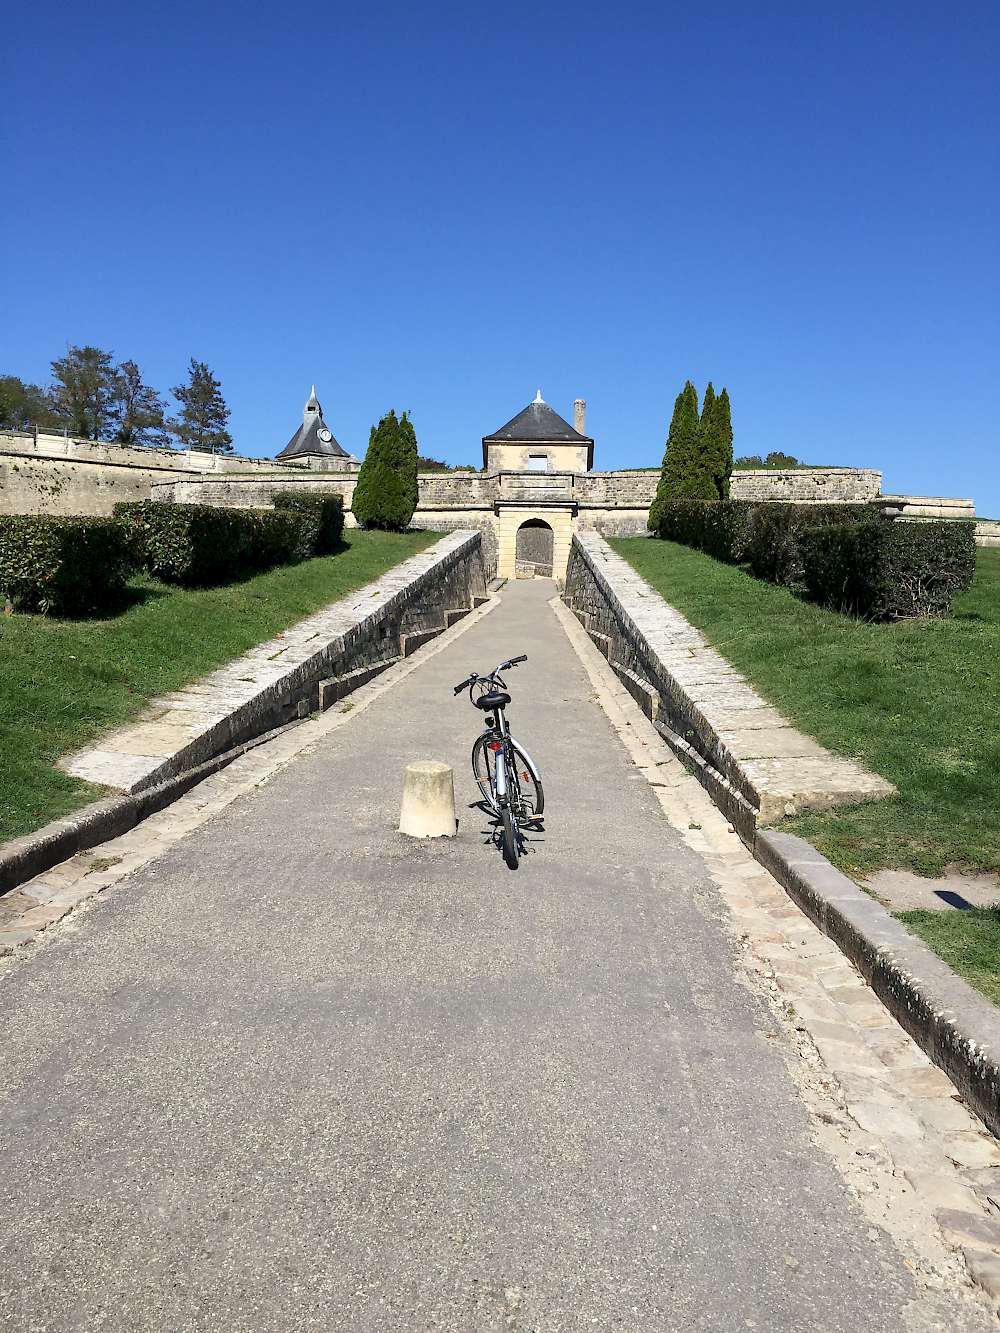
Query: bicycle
(504, 772)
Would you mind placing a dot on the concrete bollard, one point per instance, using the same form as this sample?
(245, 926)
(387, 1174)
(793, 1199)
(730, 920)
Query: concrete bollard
(428, 809)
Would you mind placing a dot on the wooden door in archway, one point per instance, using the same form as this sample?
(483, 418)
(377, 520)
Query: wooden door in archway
(533, 551)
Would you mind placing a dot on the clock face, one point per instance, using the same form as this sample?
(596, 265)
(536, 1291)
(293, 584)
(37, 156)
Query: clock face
(325, 436)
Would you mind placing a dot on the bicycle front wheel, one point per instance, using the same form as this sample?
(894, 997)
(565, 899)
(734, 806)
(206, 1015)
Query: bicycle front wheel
(528, 799)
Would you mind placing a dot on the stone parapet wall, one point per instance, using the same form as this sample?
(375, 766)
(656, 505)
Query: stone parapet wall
(814, 485)
(756, 764)
(987, 532)
(309, 666)
(926, 506)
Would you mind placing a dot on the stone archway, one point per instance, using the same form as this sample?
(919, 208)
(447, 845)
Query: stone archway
(533, 549)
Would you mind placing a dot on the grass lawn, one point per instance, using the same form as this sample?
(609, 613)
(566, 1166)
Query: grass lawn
(63, 682)
(916, 701)
(968, 941)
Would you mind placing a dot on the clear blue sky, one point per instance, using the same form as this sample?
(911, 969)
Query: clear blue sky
(441, 207)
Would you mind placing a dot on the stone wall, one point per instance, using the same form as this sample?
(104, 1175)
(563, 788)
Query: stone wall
(51, 474)
(987, 532)
(814, 485)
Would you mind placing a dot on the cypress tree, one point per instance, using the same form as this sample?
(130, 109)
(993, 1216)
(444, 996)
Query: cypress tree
(724, 444)
(386, 493)
(663, 486)
(709, 444)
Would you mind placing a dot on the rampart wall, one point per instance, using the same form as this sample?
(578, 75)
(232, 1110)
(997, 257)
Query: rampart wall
(51, 474)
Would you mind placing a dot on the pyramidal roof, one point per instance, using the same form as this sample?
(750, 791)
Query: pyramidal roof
(314, 436)
(539, 422)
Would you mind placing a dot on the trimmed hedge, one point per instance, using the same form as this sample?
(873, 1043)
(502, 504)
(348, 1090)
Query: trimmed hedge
(202, 545)
(67, 565)
(764, 535)
(323, 520)
(716, 527)
(773, 534)
(843, 556)
(888, 571)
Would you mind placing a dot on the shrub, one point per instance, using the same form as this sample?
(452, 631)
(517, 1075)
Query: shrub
(773, 531)
(203, 545)
(67, 565)
(322, 520)
(715, 527)
(888, 571)
(386, 493)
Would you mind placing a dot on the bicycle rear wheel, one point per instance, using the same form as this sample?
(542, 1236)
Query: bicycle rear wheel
(529, 800)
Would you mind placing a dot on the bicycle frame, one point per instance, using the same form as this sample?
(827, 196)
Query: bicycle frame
(502, 730)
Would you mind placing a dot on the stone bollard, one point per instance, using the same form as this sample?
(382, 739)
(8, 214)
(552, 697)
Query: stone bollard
(428, 809)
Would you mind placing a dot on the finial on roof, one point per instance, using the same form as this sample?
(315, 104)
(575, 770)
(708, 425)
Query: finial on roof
(538, 397)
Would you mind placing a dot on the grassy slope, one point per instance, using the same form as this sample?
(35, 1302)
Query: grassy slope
(62, 682)
(914, 701)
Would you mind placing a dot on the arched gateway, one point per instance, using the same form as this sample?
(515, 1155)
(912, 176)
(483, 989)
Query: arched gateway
(536, 460)
(533, 549)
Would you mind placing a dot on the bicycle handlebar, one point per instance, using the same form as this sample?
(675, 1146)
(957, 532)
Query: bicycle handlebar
(504, 666)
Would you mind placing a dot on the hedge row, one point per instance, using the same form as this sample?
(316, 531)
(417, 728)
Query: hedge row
(847, 557)
(322, 520)
(888, 571)
(764, 536)
(201, 545)
(70, 566)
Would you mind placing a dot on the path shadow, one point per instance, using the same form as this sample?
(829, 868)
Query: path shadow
(530, 836)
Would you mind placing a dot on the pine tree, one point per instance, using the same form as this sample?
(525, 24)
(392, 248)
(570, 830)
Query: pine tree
(724, 444)
(386, 493)
(204, 414)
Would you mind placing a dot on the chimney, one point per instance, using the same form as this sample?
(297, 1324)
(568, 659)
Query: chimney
(580, 416)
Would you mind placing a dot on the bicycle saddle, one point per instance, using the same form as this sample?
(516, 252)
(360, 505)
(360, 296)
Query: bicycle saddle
(495, 699)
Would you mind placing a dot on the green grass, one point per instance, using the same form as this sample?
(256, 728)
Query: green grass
(915, 701)
(63, 682)
(967, 940)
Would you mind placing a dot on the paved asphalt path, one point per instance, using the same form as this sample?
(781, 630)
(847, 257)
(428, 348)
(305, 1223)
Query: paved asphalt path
(299, 1073)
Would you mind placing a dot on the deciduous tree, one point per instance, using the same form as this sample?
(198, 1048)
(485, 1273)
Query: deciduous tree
(23, 405)
(138, 409)
(82, 391)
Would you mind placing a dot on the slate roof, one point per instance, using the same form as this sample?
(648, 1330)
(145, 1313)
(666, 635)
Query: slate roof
(306, 439)
(538, 422)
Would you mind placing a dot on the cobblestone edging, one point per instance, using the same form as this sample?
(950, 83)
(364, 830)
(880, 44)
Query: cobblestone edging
(755, 764)
(184, 737)
(958, 1028)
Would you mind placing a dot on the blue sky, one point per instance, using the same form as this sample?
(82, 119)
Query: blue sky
(443, 207)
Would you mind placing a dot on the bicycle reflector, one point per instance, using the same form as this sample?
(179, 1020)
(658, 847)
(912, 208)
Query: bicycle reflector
(496, 746)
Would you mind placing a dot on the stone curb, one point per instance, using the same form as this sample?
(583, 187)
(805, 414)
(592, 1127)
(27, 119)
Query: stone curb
(958, 1028)
(22, 859)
